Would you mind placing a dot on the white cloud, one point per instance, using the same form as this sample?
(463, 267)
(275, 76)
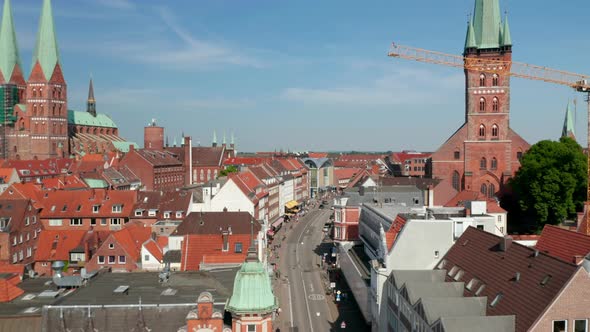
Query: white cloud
(405, 86)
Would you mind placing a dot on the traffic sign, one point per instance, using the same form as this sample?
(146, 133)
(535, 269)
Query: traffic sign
(332, 285)
(343, 325)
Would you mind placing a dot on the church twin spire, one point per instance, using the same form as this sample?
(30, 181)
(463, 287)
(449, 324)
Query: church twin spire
(46, 51)
(486, 29)
(9, 54)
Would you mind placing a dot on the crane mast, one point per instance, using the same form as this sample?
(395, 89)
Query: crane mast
(579, 82)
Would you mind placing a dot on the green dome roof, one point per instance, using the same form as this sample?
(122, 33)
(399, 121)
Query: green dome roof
(252, 290)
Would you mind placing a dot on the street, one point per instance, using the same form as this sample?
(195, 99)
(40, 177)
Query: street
(305, 299)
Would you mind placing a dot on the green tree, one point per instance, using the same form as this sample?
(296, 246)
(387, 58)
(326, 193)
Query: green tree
(551, 182)
(227, 170)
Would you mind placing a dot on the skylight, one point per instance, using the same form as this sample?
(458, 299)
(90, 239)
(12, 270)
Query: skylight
(497, 299)
(546, 280)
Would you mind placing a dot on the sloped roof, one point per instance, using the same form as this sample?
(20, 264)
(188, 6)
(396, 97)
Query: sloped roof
(317, 154)
(208, 156)
(159, 157)
(56, 245)
(9, 54)
(131, 238)
(563, 243)
(154, 249)
(67, 204)
(86, 119)
(46, 51)
(478, 254)
(44, 167)
(346, 173)
(64, 182)
(401, 157)
(8, 291)
(244, 161)
(211, 222)
(123, 146)
(468, 196)
(6, 174)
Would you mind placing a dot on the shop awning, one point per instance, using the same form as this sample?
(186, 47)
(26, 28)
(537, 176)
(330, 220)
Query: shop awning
(270, 232)
(291, 204)
(278, 222)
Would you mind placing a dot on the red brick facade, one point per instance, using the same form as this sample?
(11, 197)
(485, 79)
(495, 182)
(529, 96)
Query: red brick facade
(484, 153)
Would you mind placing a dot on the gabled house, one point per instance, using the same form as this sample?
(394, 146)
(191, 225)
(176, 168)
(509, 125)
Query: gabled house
(152, 254)
(8, 176)
(242, 192)
(62, 245)
(37, 170)
(157, 169)
(212, 239)
(272, 180)
(19, 230)
(96, 209)
(569, 246)
(121, 251)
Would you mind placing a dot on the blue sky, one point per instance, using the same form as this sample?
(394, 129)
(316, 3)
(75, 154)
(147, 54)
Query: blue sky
(303, 75)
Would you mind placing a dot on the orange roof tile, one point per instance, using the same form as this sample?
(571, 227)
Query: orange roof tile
(56, 245)
(154, 249)
(132, 237)
(563, 243)
(8, 291)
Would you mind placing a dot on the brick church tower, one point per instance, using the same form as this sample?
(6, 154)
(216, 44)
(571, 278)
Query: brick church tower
(485, 152)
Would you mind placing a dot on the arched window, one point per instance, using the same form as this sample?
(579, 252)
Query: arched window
(34, 92)
(494, 163)
(482, 131)
(53, 110)
(484, 189)
(41, 110)
(34, 109)
(519, 155)
(491, 190)
(40, 92)
(483, 163)
(495, 80)
(482, 104)
(495, 131)
(482, 80)
(456, 181)
(495, 105)
(457, 155)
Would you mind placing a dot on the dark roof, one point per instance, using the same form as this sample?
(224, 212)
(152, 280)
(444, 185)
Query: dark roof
(13, 210)
(563, 243)
(478, 254)
(159, 158)
(421, 183)
(211, 222)
(207, 156)
(172, 256)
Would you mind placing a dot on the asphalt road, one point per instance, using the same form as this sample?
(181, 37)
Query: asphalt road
(307, 307)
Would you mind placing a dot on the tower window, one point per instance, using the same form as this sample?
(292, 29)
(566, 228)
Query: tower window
(34, 92)
(495, 80)
(483, 163)
(482, 80)
(456, 181)
(495, 105)
(494, 163)
(484, 189)
(519, 155)
(495, 131)
(491, 190)
(35, 109)
(457, 155)
(482, 104)
(482, 131)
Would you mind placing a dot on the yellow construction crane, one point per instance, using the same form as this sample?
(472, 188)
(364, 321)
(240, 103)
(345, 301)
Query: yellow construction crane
(579, 82)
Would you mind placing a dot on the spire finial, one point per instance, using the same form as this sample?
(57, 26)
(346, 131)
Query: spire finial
(214, 138)
(233, 139)
(91, 103)
(224, 141)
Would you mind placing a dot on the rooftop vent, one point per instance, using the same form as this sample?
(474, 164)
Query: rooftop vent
(545, 280)
(517, 277)
(169, 292)
(497, 299)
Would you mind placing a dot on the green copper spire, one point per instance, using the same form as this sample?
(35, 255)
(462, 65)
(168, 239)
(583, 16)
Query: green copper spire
(470, 38)
(9, 56)
(46, 50)
(233, 139)
(224, 140)
(506, 38)
(569, 123)
(214, 138)
(486, 23)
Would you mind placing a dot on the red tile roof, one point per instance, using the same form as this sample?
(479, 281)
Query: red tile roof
(45, 167)
(24, 190)
(244, 161)
(248, 184)
(478, 254)
(56, 245)
(563, 243)
(6, 174)
(317, 155)
(393, 231)
(64, 182)
(159, 157)
(466, 196)
(8, 291)
(208, 156)
(401, 157)
(346, 173)
(154, 249)
(80, 203)
(131, 238)
(12, 268)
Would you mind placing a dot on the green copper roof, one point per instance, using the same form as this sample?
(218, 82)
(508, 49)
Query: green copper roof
(214, 137)
(124, 146)
(86, 119)
(470, 38)
(252, 290)
(46, 50)
(486, 23)
(9, 56)
(569, 123)
(506, 38)
(96, 183)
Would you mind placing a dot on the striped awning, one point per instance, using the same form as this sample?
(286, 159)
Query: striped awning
(291, 204)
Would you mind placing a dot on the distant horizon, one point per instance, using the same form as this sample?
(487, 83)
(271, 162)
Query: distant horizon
(313, 80)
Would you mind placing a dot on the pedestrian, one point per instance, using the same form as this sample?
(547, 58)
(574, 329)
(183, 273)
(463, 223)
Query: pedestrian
(279, 311)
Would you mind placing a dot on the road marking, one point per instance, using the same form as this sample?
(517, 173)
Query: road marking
(306, 303)
(311, 286)
(316, 297)
(291, 306)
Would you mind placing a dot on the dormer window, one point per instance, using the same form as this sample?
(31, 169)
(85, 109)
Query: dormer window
(95, 208)
(152, 212)
(497, 299)
(117, 208)
(178, 214)
(167, 215)
(65, 208)
(79, 208)
(138, 212)
(472, 284)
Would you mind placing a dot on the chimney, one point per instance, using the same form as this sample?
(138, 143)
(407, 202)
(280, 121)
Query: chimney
(467, 212)
(517, 277)
(505, 243)
(188, 159)
(131, 147)
(578, 259)
(430, 193)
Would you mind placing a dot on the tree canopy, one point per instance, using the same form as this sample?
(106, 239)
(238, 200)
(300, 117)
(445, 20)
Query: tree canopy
(551, 181)
(227, 170)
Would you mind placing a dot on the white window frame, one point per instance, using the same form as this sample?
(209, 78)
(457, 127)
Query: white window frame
(117, 208)
(558, 320)
(29, 252)
(111, 246)
(151, 213)
(27, 221)
(146, 258)
(55, 222)
(114, 259)
(178, 214)
(115, 221)
(95, 208)
(166, 215)
(101, 261)
(138, 213)
(124, 261)
(76, 222)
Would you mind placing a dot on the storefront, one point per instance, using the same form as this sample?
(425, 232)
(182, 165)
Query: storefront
(291, 208)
